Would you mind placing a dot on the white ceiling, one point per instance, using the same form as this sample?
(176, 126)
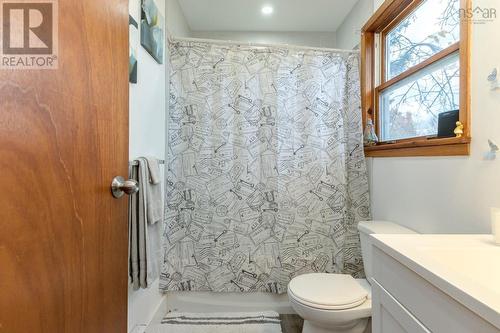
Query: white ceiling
(245, 15)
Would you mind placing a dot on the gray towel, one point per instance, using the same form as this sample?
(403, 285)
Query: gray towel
(137, 231)
(144, 247)
(154, 200)
(154, 169)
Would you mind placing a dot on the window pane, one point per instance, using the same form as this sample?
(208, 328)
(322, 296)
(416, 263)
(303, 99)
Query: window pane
(432, 27)
(411, 107)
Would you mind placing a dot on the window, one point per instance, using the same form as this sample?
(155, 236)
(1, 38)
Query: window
(414, 67)
(409, 108)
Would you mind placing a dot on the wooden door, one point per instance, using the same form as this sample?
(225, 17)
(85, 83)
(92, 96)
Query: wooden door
(63, 137)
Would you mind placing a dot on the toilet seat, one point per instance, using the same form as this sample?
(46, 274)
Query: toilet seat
(327, 291)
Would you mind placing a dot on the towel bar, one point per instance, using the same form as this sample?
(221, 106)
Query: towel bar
(135, 163)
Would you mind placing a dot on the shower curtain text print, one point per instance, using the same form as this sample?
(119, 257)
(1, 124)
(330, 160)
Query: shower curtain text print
(266, 176)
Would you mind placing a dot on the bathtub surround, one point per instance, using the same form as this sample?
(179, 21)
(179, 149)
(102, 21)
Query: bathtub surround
(199, 301)
(266, 174)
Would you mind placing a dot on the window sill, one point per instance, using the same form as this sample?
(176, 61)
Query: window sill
(421, 147)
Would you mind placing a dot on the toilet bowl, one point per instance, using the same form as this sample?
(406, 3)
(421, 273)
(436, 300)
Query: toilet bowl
(331, 302)
(338, 303)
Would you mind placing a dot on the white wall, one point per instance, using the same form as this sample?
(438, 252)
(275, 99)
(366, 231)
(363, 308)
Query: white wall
(147, 134)
(147, 100)
(449, 194)
(349, 32)
(176, 21)
(318, 39)
(377, 3)
(147, 137)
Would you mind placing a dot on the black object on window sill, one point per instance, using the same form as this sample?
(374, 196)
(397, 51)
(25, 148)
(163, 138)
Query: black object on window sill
(447, 122)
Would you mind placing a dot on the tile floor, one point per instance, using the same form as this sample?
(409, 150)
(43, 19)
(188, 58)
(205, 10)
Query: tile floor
(291, 323)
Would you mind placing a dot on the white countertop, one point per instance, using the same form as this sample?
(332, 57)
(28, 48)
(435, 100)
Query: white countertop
(466, 267)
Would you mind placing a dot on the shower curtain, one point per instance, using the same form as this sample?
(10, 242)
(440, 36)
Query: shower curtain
(266, 176)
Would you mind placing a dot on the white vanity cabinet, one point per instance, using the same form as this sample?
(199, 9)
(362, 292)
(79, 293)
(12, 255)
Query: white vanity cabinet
(408, 296)
(389, 316)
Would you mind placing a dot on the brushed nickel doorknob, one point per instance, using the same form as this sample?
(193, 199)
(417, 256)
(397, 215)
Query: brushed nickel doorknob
(120, 186)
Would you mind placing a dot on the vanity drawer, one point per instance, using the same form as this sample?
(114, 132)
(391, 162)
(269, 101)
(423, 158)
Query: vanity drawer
(391, 317)
(436, 310)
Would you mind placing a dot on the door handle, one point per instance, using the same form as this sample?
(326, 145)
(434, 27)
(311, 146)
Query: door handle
(120, 186)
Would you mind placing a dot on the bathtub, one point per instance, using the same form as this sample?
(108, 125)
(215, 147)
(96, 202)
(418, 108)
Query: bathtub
(227, 302)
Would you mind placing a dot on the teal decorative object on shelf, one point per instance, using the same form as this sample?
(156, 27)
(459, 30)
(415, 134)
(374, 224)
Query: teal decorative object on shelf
(370, 138)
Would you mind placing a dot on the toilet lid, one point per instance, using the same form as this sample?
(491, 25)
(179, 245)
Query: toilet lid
(333, 291)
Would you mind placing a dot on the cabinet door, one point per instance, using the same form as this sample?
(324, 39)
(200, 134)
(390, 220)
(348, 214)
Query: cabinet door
(391, 317)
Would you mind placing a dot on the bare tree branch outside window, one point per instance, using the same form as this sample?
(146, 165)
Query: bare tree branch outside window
(411, 108)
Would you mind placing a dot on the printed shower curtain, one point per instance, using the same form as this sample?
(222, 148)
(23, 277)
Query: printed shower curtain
(266, 176)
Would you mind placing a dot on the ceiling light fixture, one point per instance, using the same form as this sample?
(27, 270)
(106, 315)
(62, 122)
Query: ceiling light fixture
(267, 10)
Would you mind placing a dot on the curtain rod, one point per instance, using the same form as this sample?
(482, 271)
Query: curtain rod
(233, 42)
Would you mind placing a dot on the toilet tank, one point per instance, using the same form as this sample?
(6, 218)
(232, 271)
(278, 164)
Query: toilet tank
(376, 227)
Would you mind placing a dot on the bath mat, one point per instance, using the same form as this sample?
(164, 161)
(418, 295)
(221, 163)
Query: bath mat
(228, 322)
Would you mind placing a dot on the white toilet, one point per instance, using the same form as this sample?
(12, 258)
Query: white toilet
(337, 303)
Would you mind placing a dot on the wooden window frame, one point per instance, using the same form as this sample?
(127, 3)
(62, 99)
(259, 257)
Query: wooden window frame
(390, 13)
